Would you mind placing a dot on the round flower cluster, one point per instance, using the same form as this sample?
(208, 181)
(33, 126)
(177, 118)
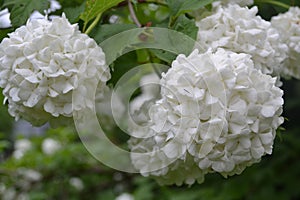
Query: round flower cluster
(240, 30)
(21, 147)
(217, 113)
(50, 146)
(288, 25)
(42, 63)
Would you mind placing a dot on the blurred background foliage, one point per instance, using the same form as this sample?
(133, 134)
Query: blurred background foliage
(55, 165)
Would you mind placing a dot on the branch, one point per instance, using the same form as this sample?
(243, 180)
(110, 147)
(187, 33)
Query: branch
(132, 14)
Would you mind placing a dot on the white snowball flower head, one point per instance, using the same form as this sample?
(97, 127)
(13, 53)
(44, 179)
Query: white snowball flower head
(42, 63)
(217, 114)
(30, 174)
(50, 146)
(77, 183)
(288, 25)
(21, 147)
(125, 196)
(240, 30)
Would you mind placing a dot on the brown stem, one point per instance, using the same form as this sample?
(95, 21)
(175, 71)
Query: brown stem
(133, 15)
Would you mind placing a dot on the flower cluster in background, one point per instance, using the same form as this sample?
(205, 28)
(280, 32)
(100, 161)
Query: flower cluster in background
(288, 26)
(241, 30)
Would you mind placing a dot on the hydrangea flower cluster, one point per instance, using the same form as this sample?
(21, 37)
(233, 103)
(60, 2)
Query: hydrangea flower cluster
(240, 30)
(42, 63)
(217, 113)
(288, 25)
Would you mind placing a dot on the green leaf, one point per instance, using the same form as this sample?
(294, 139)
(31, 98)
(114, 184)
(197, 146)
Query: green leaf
(101, 33)
(186, 26)
(21, 9)
(73, 13)
(121, 43)
(68, 3)
(4, 32)
(4, 144)
(94, 8)
(164, 55)
(182, 6)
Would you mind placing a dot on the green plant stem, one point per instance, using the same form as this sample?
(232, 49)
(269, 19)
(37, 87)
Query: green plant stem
(172, 21)
(95, 22)
(277, 3)
(156, 70)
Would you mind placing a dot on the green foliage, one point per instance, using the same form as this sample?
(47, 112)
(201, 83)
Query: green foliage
(260, 181)
(68, 3)
(103, 32)
(186, 26)
(73, 13)
(4, 32)
(96, 7)
(6, 119)
(179, 7)
(21, 9)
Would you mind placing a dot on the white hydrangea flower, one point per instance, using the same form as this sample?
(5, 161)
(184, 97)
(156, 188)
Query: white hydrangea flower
(238, 2)
(21, 146)
(217, 114)
(124, 196)
(9, 194)
(50, 146)
(30, 175)
(42, 63)
(76, 183)
(288, 25)
(240, 30)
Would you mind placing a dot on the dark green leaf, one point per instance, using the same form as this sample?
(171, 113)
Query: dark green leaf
(4, 32)
(68, 3)
(122, 65)
(164, 55)
(121, 43)
(182, 6)
(186, 26)
(73, 13)
(21, 9)
(101, 33)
